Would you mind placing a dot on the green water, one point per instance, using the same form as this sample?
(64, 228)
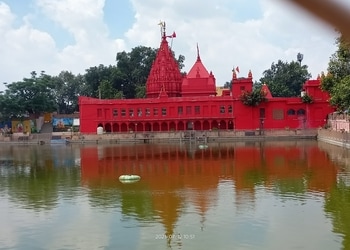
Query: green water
(281, 195)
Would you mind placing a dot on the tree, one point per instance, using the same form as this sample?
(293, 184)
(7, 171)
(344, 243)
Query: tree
(140, 91)
(341, 94)
(8, 109)
(67, 88)
(337, 79)
(254, 97)
(228, 85)
(134, 68)
(181, 62)
(29, 97)
(94, 76)
(106, 90)
(285, 79)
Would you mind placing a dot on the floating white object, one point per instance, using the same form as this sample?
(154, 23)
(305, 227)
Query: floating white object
(202, 146)
(129, 178)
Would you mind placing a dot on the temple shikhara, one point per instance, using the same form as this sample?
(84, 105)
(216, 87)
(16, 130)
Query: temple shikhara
(176, 103)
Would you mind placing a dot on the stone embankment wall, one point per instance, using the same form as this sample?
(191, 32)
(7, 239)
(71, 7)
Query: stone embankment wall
(206, 136)
(334, 137)
(337, 130)
(339, 138)
(156, 137)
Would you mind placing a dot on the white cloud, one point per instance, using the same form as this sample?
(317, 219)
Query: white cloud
(27, 49)
(252, 44)
(22, 47)
(84, 20)
(229, 33)
(6, 17)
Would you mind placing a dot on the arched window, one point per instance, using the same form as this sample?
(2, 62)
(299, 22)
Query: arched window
(291, 112)
(230, 109)
(301, 112)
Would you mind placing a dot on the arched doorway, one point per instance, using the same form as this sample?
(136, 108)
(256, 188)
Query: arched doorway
(180, 126)
(156, 126)
(148, 127)
(115, 127)
(108, 128)
(164, 126)
(123, 127)
(206, 125)
(197, 125)
(230, 125)
(172, 126)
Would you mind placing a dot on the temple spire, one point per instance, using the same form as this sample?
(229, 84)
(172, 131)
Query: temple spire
(165, 76)
(198, 56)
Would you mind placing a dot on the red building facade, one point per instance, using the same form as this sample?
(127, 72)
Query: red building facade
(175, 103)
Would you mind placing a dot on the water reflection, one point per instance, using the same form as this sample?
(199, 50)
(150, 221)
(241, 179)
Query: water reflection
(35, 176)
(174, 178)
(269, 195)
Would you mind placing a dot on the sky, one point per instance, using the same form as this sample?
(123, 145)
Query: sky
(74, 35)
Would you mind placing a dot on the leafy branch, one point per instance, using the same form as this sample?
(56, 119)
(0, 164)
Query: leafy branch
(253, 98)
(307, 99)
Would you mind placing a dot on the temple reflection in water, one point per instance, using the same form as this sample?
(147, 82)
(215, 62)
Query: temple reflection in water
(177, 176)
(271, 195)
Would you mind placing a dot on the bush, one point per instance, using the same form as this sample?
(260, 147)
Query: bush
(253, 98)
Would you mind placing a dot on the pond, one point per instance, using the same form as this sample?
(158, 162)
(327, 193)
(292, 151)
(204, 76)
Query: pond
(246, 195)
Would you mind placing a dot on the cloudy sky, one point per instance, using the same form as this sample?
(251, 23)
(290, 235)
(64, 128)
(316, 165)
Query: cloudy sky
(73, 35)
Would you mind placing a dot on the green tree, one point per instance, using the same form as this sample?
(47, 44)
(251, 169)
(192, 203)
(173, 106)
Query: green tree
(337, 79)
(29, 97)
(119, 95)
(253, 98)
(228, 85)
(106, 90)
(285, 79)
(341, 94)
(67, 89)
(141, 91)
(8, 109)
(94, 76)
(133, 68)
(181, 62)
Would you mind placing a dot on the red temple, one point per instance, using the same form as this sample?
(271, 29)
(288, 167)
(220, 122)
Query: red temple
(175, 103)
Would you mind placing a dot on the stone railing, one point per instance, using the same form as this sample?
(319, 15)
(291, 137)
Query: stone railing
(339, 122)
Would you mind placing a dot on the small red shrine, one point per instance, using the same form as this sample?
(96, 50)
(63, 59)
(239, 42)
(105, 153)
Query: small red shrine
(198, 81)
(175, 103)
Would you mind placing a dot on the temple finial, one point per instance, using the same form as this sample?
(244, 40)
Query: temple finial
(234, 75)
(198, 57)
(162, 29)
(250, 75)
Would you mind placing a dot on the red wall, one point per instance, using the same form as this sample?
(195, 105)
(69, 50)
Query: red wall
(213, 112)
